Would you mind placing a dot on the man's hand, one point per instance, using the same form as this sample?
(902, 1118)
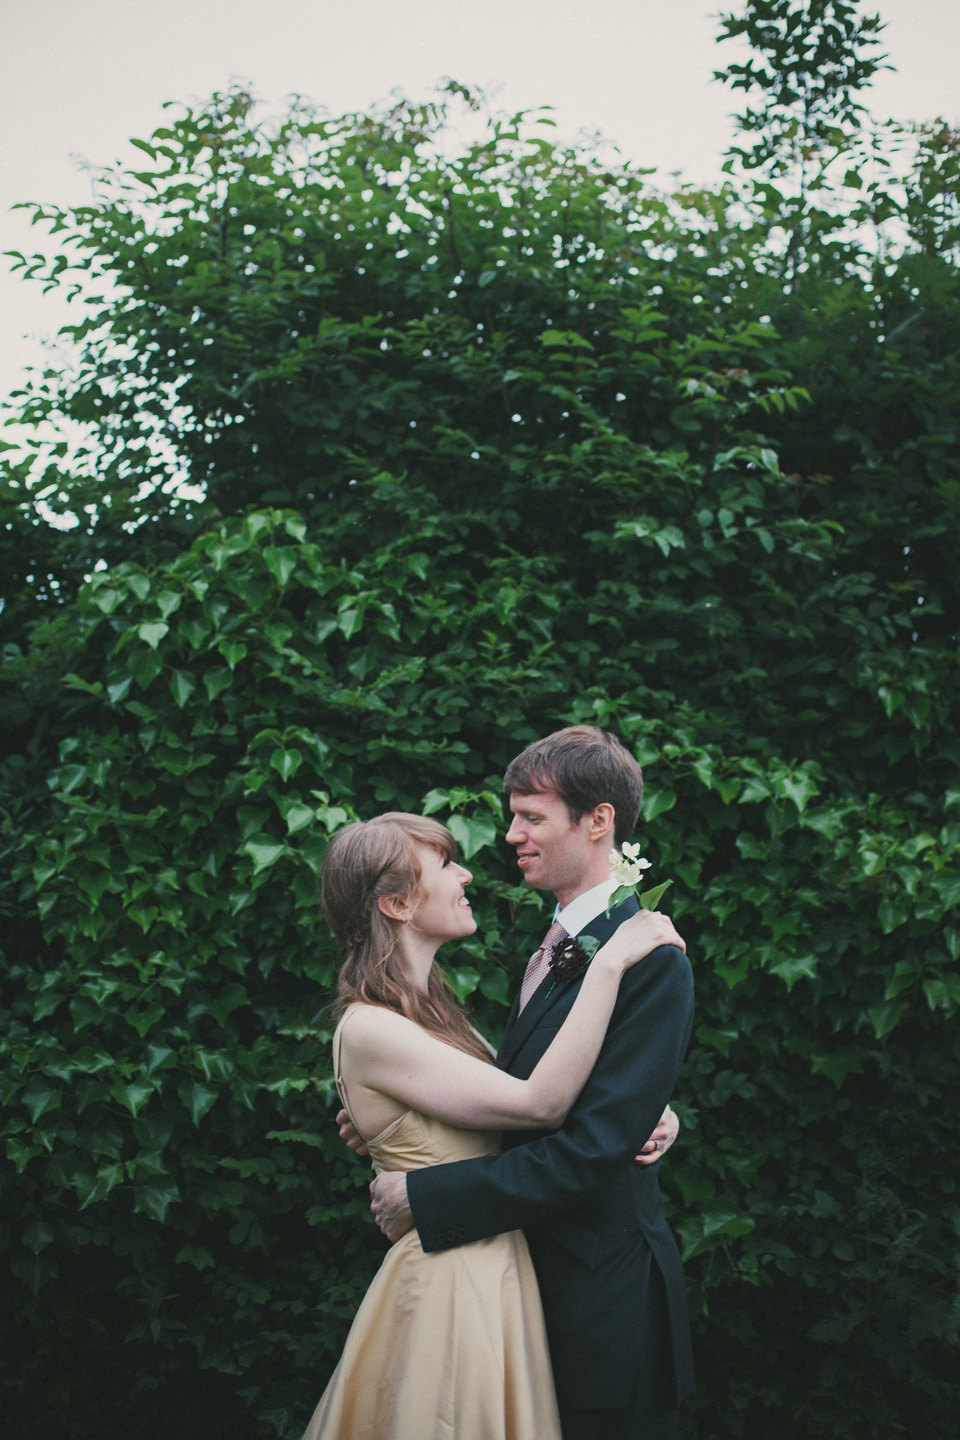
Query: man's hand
(388, 1201)
(350, 1135)
(668, 1127)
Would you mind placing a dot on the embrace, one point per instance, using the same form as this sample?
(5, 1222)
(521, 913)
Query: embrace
(534, 1290)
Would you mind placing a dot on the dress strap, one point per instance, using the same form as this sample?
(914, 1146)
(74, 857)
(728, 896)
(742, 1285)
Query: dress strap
(338, 1078)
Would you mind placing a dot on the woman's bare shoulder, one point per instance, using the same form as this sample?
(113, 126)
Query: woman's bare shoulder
(366, 1024)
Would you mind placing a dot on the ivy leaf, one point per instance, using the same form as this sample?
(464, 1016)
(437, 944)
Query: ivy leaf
(133, 1095)
(298, 817)
(286, 762)
(199, 1099)
(280, 562)
(182, 686)
(657, 802)
(472, 834)
(154, 1198)
(264, 852)
(153, 631)
(40, 1097)
(464, 980)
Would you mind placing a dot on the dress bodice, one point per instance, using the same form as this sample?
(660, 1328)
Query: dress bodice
(416, 1140)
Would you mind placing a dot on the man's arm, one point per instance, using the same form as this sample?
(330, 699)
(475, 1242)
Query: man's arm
(388, 1192)
(628, 1089)
(350, 1135)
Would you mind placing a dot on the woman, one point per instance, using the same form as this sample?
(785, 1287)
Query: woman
(450, 1344)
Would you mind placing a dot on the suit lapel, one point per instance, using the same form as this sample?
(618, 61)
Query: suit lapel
(520, 1026)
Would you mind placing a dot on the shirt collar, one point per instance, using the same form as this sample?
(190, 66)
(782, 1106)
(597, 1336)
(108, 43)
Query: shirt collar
(585, 908)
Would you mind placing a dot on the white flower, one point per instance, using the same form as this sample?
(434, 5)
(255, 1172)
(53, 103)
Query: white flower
(625, 872)
(627, 868)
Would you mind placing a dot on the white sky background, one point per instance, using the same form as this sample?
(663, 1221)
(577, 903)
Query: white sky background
(79, 77)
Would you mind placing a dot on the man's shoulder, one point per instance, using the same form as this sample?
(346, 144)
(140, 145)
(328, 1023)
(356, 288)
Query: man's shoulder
(666, 968)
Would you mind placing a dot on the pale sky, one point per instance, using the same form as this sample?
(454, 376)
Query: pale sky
(79, 77)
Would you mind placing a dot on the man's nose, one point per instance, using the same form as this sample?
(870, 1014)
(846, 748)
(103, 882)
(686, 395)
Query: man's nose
(515, 833)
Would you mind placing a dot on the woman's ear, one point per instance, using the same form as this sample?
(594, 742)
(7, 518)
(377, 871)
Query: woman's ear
(395, 907)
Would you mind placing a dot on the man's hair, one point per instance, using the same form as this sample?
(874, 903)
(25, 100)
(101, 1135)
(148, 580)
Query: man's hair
(586, 767)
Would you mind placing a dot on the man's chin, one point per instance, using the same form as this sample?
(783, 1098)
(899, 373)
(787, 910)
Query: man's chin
(536, 882)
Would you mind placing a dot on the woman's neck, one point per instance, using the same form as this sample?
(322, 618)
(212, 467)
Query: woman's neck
(416, 955)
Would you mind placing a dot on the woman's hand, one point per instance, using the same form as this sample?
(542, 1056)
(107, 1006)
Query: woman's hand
(636, 937)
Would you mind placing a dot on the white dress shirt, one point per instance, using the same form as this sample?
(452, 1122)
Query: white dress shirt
(582, 911)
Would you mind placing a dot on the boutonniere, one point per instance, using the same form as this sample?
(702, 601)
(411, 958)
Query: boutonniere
(570, 958)
(627, 869)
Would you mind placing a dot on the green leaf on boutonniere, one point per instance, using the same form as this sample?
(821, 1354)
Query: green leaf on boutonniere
(650, 899)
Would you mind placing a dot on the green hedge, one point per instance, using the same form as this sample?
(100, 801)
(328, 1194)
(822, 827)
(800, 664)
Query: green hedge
(176, 1180)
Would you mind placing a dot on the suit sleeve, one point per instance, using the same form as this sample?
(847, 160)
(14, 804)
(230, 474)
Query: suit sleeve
(622, 1100)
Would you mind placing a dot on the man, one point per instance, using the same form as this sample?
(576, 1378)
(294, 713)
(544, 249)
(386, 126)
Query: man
(608, 1267)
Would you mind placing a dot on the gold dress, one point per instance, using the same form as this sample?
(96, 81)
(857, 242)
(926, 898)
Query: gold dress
(445, 1346)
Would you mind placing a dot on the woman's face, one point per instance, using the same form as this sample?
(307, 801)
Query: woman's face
(441, 911)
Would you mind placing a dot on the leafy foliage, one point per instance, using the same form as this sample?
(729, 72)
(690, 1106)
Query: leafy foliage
(808, 63)
(388, 461)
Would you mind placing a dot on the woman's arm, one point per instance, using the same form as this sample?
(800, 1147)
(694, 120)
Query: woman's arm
(384, 1052)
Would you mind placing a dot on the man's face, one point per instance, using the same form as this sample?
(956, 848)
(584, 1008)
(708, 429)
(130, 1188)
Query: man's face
(552, 853)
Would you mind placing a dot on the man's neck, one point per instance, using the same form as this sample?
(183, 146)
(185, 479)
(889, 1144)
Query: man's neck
(597, 876)
(585, 908)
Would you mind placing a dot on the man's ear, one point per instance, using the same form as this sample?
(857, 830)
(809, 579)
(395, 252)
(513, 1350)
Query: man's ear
(601, 820)
(395, 907)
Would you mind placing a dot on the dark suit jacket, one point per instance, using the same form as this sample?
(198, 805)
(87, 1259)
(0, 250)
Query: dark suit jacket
(593, 1217)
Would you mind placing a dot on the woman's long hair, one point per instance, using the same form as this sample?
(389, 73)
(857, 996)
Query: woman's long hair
(367, 861)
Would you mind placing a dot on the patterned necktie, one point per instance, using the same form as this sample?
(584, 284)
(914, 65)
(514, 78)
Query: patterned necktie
(540, 961)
